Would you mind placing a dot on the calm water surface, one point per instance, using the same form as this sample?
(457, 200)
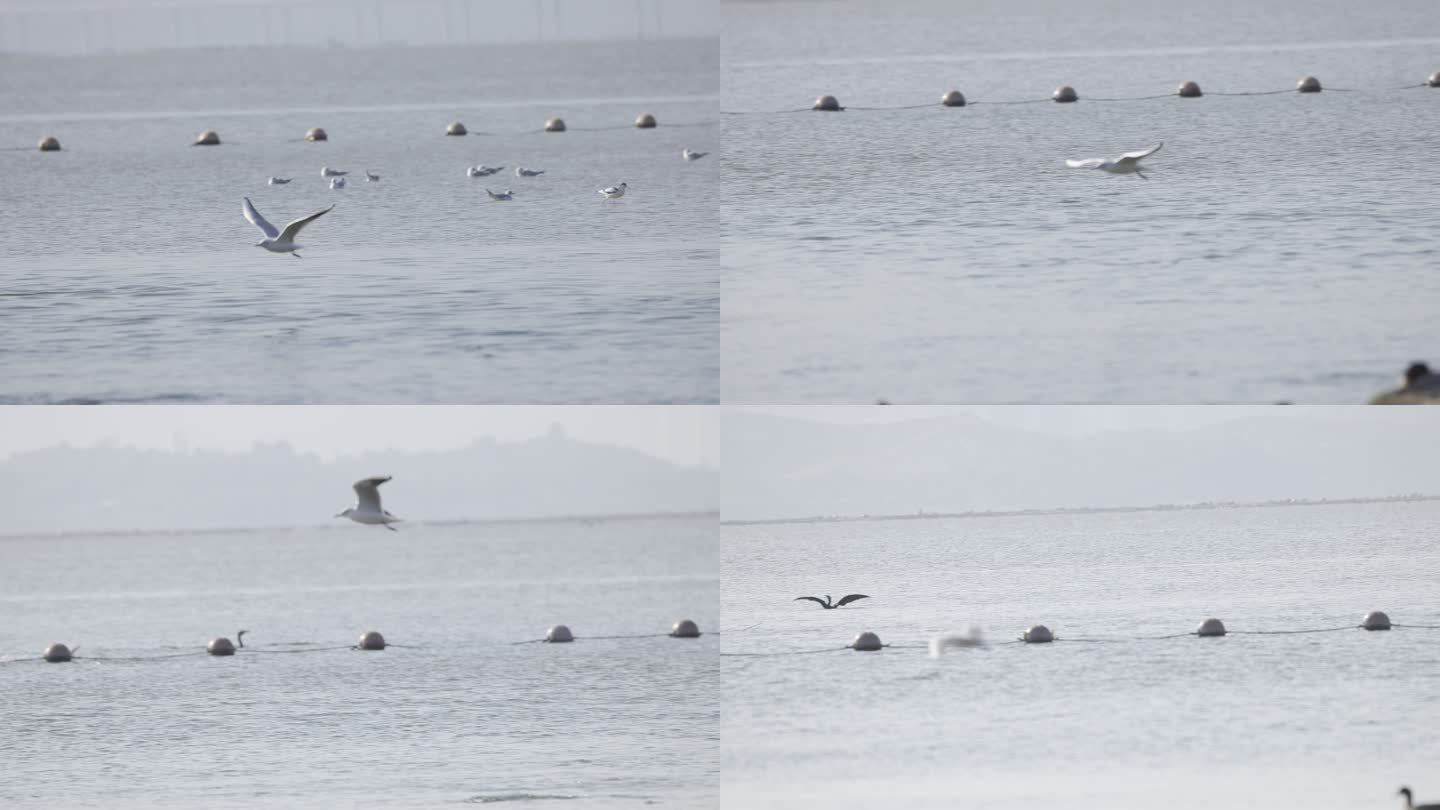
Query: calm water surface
(134, 277)
(1283, 248)
(1326, 720)
(459, 715)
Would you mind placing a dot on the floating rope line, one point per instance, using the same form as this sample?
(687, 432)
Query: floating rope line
(789, 652)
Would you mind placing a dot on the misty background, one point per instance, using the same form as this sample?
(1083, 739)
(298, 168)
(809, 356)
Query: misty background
(808, 462)
(202, 481)
(84, 27)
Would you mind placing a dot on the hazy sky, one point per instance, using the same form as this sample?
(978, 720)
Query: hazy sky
(94, 26)
(785, 462)
(681, 434)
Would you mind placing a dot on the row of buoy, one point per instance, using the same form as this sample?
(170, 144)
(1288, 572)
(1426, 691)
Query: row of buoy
(1065, 94)
(210, 137)
(58, 653)
(1040, 634)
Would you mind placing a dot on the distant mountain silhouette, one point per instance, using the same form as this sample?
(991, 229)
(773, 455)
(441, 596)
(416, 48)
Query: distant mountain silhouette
(112, 488)
(777, 467)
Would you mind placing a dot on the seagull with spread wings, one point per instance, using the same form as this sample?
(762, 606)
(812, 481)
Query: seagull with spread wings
(367, 507)
(825, 603)
(276, 240)
(1128, 163)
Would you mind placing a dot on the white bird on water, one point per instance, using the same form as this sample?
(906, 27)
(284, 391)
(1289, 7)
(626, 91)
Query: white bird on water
(482, 170)
(504, 195)
(278, 241)
(371, 177)
(337, 182)
(326, 171)
(613, 192)
(691, 154)
(1128, 163)
(279, 181)
(972, 637)
(521, 171)
(367, 507)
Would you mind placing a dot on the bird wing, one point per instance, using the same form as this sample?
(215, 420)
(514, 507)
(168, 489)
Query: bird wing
(817, 600)
(845, 600)
(293, 229)
(368, 492)
(1143, 153)
(1088, 163)
(258, 221)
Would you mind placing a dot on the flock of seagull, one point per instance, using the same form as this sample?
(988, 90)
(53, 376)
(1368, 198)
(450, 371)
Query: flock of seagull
(282, 240)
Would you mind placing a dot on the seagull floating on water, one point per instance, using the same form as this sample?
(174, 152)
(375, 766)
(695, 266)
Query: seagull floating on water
(277, 241)
(613, 192)
(503, 195)
(370, 177)
(1409, 801)
(367, 507)
(1128, 163)
(279, 181)
(482, 170)
(326, 171)
(825, 603)
(972, 637)
(690, 154)
(337, 182)
(521, 171)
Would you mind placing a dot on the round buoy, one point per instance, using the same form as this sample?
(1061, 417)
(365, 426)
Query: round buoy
(1189, 90)
(456, 128)
(1376, 620)
(1065, 94)
(684, 629)
(208, 138)
(220, 646)
(316, 134)
(559, 634)
(1038, 634)
(49, 144)
(1434, 80)
(555, 125)
(645, 121)
(1211, 627)
(954, 98)
(372, 640)
(1309, 84)
(827, 104)
(866, 642)
(57, 653)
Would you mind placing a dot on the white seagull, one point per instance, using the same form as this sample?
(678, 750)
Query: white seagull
(1128, 163)
(326, 171)
(691, 154)
(337, 182)
(521, 171)
(371, 177)
(279, 181)
(482, 170)
(367, 507)
(504, 195)
(277, 241)
(972, 637)
(613, 192)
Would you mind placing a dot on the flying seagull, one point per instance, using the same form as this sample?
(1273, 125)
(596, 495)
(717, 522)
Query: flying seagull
(691, 154)
(337, 182)
(277, 241)
(326, 171)
(367, 507)
(371, 177)
(1128, 163)
(613, 192)
(825, 603)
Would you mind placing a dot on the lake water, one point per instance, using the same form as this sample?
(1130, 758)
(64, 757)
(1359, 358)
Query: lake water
(129, 275)
(1324, 720)
(459, 715)
(1282, 248)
